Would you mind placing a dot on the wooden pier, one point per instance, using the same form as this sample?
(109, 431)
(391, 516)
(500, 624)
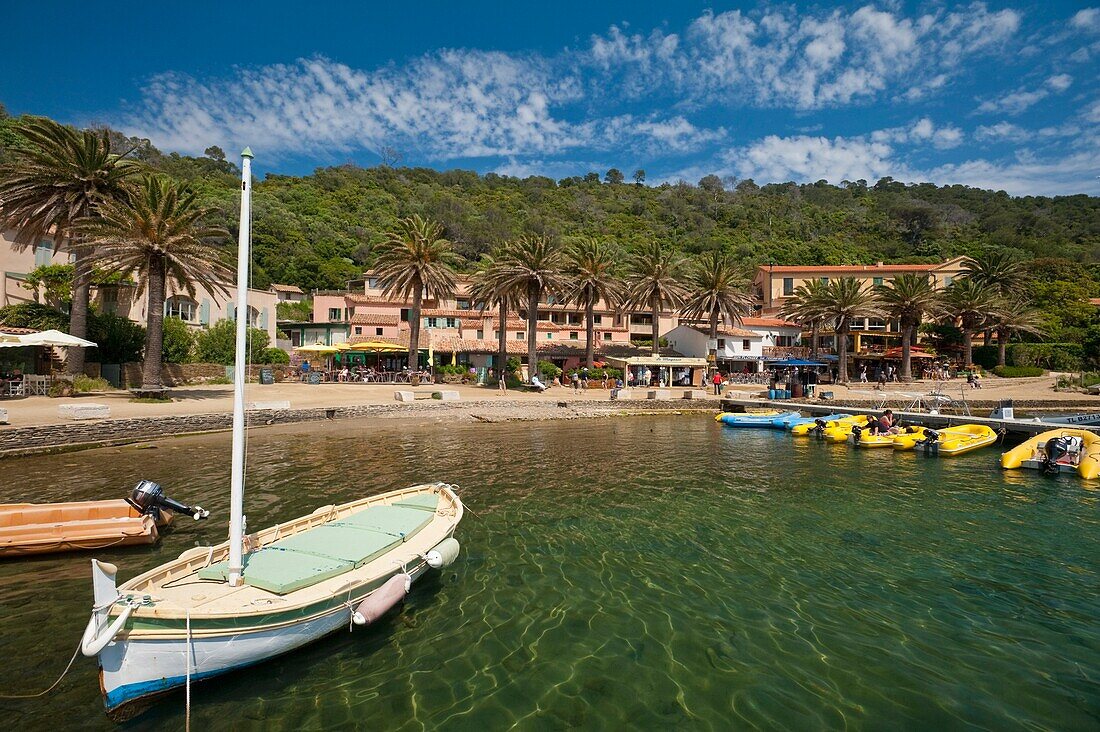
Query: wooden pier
(1021, 427)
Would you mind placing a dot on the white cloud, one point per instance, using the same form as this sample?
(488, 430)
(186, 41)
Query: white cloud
(923, 131)
(1089, 19)
(1002, 132)
(1060, 82)
(1019, 101)
(805, 158)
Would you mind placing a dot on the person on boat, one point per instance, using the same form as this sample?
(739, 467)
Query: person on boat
(886, 425)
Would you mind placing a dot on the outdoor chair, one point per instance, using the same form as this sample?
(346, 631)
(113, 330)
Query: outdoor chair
(16, 388)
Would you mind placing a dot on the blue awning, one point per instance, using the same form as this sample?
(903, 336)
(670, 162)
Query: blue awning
(793, 362)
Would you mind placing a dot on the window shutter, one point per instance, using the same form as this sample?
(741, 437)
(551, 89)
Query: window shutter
(204, 311)
(166, 308)
(231, 311)
(263, 319)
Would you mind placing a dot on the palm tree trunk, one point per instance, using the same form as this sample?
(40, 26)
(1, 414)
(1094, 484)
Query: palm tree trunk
(906, 365)
(590, 320)
(815, 328)
(1002, 348)
(532, 330)
(842, 353)
(78, 316)
(656, 328)
(502, 337)
(968, 346)
(714, 338)
(414, 333)
(154, 326)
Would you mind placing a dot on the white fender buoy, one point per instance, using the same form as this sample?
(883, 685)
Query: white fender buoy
(93, 641)
(379, 602)
(443, 554)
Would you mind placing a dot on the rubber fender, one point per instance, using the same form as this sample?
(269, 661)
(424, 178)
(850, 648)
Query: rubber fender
(443, 554)
(379, 602)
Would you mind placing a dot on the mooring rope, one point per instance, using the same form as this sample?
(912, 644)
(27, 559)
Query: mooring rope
(187, 691)
(52, 686)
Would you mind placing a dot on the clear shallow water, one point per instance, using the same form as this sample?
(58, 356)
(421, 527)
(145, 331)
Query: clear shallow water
(657, 573)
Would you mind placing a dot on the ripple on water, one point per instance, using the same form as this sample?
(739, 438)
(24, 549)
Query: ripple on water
(646, 573)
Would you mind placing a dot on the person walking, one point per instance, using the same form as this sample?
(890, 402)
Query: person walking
(863, 374)
(717, 383)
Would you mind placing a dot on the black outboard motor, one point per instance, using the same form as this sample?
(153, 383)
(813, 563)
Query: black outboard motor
(1055, 449)
(930, 442)
(148, 497)
(857, 432)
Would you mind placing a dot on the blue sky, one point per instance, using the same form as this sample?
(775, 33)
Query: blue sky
(996, 95)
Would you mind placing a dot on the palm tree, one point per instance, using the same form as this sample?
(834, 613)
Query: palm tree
(415, 261)
(653, 281)
(804, 308)
(531, 266)
(58, 178)
(593, 270)
(159, 234)
(971, 304)
(486, 290)
(717, 292)
(842, 301)
(1013, 317)
(908, 298)
(1000, 270)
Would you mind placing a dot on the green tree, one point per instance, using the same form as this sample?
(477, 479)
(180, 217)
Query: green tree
(654, 281)
(217, 344)
(415, 261)
(614, 176)
(716, 293)
(1010, 318)
(592, 267)
(908, 299)
(971, 305)
(159, 235)
(179, 341)
(118, 339)
(805, 307)
(531, 267)
(639, 177)
(298, 312)
(843, 300)
(56, 281)
(59, 177)
(34, 315)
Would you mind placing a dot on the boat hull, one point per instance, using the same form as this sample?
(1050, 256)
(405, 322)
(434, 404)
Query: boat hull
(46, 528)
(1029, 454)
(764, 421)
(135, 671)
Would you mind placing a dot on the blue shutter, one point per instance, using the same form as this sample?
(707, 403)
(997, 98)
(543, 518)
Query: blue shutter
(43, 254)
(231, 311)
(204, 311)
(263, 319)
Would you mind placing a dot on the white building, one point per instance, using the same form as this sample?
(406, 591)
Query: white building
(748, 346)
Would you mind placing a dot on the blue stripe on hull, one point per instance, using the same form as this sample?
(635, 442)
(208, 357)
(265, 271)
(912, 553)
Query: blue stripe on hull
(131, 692)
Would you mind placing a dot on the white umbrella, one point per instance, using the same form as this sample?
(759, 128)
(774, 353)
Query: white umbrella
(54, 338)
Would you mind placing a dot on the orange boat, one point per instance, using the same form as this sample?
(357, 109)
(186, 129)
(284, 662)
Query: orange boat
(42, 528)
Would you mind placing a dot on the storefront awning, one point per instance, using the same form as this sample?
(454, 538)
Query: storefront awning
(658, 361)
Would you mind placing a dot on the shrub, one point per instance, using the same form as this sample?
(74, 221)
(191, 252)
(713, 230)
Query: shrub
(61, 388)
(1017, 372)
(178, 341)
(1050, 356)
(216, 344)
(549, 370)
(275, 357)
(118, 339)
(299, 312)
(512, 366)
(34, 315)
(984, 356)
(84, 384)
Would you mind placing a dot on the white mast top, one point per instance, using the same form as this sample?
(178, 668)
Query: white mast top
(236, 493)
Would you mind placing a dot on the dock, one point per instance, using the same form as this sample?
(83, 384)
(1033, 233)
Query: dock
(1022, 427)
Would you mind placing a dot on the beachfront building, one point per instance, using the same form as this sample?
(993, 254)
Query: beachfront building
(206, 306)
(774, 285)
(288, 293)
(745, 347)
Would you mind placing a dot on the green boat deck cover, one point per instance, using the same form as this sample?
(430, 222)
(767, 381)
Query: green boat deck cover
(316, 554)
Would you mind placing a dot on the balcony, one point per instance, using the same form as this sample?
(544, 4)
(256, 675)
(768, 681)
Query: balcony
(788, 352)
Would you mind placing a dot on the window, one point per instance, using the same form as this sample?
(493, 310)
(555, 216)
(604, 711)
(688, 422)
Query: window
(573, 335)
(597, 319)
(824, 280)
(721, 343)
(43, 253)
(549, 336)
(378, 331)
(607, 336)
(947, 280)
(575, 319)
(372, 283)
(745, 345)
(452, 323)
(462, 304)
(358, 330)
(180, 307)
(404, 315)
(519, 336)
(788, 286)
(333, 314)
(877, 280)
(480, 334)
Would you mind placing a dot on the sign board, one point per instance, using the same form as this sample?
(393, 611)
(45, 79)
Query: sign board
(712, 344)
(267, 376)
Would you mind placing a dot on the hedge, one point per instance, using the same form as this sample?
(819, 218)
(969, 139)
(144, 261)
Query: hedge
(1050, 356)
(1017, 372)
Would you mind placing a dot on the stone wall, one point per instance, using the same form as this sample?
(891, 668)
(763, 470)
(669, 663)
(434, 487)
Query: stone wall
(181, 374)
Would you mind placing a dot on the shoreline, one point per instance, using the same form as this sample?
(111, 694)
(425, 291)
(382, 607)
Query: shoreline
(87, 435)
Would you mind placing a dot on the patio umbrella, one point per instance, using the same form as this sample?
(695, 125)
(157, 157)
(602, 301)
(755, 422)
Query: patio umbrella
(54, 338)
(319, 349)
(373, 347)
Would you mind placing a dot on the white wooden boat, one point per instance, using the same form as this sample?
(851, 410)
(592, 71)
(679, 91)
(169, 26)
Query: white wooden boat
(216, 609)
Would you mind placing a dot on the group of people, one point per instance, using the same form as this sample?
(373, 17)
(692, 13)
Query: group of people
(883, 374)
(357, 372)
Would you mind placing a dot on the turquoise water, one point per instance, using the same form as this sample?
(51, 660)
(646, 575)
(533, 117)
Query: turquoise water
(655, 573)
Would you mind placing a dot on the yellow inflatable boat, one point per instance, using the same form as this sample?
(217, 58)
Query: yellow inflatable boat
(909, 437)
(863, 437)
(956, 440)
(817, 426)
(842, 431)
(1062, 450)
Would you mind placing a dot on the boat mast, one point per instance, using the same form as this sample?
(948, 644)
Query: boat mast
(240, 359)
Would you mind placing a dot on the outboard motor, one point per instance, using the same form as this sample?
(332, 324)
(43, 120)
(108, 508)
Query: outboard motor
(857, 433)
(1055, 449)
(929, 442)
(148, 497)
(818, 428)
